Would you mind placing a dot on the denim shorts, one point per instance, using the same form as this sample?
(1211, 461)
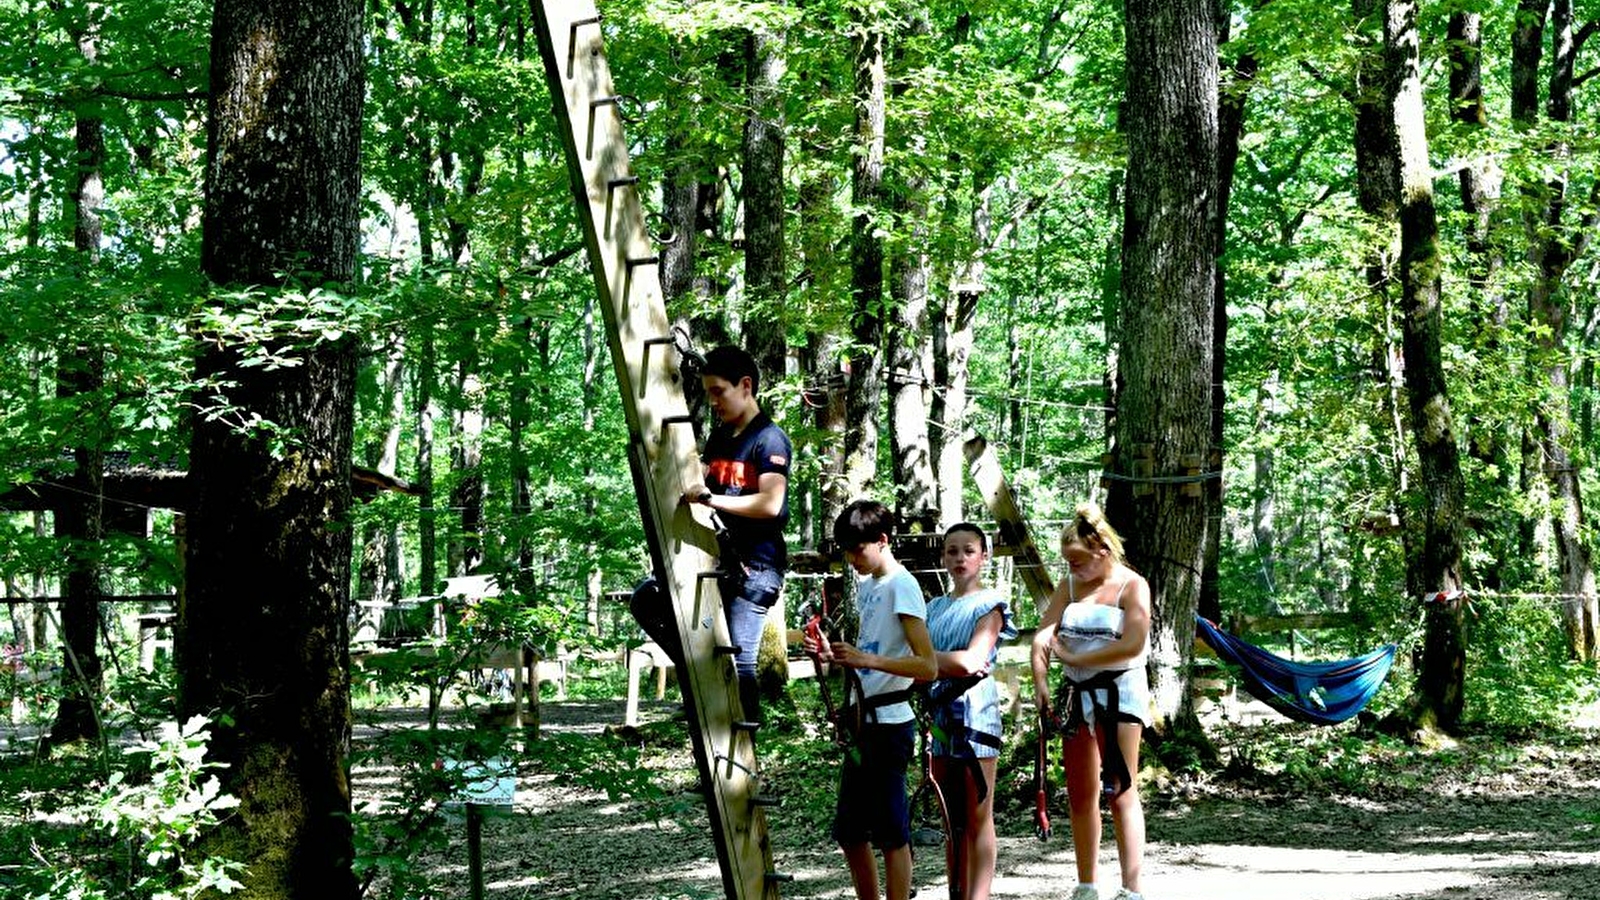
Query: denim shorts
(872, 802)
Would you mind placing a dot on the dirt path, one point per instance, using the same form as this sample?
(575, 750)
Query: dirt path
(1533, 836)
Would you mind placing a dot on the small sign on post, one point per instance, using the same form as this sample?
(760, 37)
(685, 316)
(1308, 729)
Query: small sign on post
(485, 787)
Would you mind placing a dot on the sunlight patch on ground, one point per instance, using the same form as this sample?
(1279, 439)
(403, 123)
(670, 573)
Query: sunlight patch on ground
(1585, 715)
(1309, 874)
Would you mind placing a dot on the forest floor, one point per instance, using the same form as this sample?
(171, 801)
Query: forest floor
(1482, 818)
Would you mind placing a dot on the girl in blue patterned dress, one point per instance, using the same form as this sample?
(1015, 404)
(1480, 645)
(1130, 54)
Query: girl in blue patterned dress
(966, 626)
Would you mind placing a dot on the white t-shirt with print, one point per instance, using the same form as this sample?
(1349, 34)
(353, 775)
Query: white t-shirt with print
(882, 602)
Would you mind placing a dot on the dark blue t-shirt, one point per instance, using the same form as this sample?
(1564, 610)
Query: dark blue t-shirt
(734, 466)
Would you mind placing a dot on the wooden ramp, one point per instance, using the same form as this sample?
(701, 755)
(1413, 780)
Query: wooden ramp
(661, 451)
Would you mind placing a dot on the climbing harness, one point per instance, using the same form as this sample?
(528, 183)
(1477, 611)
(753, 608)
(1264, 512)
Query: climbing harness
(1114, 775)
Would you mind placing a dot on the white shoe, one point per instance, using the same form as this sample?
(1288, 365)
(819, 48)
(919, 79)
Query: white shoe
(1085, 892)
(1125, 894)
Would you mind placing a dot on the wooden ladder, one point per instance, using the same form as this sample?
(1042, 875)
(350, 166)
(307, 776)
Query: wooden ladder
(661, 451)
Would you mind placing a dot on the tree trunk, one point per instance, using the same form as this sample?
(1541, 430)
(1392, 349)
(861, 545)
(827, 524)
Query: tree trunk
(952, 356)
(379, 579)
(825, 378)
(916, 495)
(1377, 154)
(427, 512)
(465, 551)
(262, 633)
(1163, 424)
(864, 396)
(910, 360)
(1263, 516)
(1442, 677)
(1553, 247)
(593, 348)
(1490, 434)
(79, 523)
(765, 263)
(1230, 131)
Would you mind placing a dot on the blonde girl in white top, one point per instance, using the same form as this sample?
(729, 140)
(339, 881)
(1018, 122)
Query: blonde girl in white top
(1098, 627)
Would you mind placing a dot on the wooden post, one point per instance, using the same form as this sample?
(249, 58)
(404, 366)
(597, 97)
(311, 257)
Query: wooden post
(475, 850)
(661, 452)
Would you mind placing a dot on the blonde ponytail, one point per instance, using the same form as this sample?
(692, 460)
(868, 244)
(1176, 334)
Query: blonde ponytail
(1089, 524)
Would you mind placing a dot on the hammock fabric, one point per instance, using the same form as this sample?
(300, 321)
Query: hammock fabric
(1321, 693)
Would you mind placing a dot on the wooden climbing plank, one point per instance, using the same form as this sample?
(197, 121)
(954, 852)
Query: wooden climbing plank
(661, 453)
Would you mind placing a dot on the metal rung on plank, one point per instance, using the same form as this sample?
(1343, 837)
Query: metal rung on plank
(726, 650)
(595, 104)
(766, 800)
(680, 419)
(742, 725)
(572, 40)
(643, 261)
(778, 877)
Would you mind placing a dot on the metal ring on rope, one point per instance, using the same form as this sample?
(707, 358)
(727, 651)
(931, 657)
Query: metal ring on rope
(665, 238)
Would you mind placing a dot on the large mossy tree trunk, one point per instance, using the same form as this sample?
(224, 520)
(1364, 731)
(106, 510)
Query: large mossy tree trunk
(1442, 677)
(262, 634)
(1163, 422)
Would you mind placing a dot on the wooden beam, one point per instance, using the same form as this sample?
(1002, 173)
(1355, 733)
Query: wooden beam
(1010, 523)
(168, 599)
(1291, 622)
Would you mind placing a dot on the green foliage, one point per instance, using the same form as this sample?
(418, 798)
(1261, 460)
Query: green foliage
(1323, 760)
(1520, 675)
(407, 818)
(149, 817)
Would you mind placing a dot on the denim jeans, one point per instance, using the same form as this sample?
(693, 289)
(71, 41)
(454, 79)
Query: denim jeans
(746, 602)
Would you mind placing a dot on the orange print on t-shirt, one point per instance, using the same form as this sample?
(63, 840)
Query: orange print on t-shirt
(733, 475)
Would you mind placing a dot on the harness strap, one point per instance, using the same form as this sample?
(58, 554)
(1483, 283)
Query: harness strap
(887, 698)
(1114, 775)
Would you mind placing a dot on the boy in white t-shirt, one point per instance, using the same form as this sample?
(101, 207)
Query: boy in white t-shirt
(892, 651)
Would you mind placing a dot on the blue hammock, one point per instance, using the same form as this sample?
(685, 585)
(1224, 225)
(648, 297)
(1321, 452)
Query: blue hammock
(1321, 693)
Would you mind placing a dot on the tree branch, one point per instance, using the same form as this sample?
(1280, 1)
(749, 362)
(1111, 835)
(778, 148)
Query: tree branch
(152, 96)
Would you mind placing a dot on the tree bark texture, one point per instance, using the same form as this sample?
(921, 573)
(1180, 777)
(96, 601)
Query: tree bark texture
(864, 395)
(826, 381)
(947, 413)
(916, 494)
(422, 420)
(1442, 678)
(1163, 424)
(379, 578)
(262, 634)
(464, 551)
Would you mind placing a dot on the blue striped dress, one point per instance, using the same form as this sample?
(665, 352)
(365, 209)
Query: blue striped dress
(951, 621)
